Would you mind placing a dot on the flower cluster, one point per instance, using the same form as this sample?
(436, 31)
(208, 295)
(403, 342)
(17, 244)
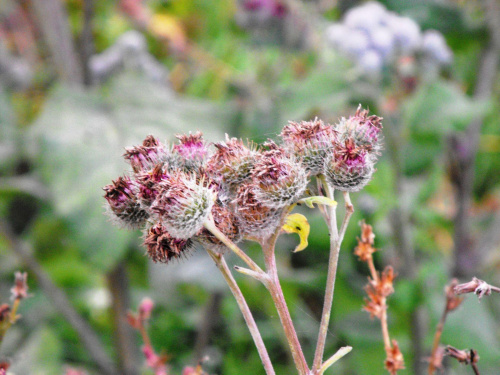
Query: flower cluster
(374, 37)
(244, 189)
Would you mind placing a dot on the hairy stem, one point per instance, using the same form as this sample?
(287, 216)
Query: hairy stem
(336, 238)
(245, 310)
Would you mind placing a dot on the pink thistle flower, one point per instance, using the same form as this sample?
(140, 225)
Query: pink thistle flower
(192, 151)
(144, 157)
(123, 203)
(310, 141)
(162, 247)
(184, 204)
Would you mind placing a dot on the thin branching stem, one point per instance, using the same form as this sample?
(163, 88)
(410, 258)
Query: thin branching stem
(210, 225)
(336, 238)
(334, 358)
(437, 339)
(245, 310)
(383, 304)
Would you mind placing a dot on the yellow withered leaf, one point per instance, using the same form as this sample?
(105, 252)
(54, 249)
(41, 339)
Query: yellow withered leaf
(310, 201)
(297, 223)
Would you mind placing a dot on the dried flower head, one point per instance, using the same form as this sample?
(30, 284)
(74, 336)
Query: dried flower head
(232, 163)
(310, 141)
(279, 179)
(256, 220)
(462, 356)
(162, 247)
(394, 361)
(20, 289)
(148, 154)
(148, 183)
(375, 304)
(184, 204)
(123, 203)
(477, 286)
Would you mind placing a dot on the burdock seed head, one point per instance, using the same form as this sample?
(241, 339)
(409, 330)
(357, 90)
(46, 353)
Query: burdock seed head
(351, 162)
(278, 178)
(183, 204)
(349, 168)
(310, 141)
(162, 247)
(232, 163)
(123, 203)
(145, 156)
(256, 220)
(364, 130)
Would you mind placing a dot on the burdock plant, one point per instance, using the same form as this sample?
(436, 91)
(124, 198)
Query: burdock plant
(220, 194)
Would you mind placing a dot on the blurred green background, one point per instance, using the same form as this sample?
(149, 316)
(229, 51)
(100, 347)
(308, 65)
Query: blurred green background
(82, 79)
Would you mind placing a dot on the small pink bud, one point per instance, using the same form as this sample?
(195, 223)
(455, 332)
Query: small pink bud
(145, 308)
(20, 289)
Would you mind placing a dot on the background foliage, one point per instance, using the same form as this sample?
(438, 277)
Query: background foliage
(62, 137)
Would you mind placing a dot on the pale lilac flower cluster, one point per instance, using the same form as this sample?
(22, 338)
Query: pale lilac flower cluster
(374, 37)
(172, 192)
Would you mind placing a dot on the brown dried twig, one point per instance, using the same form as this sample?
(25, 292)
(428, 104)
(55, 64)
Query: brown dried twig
(452, 303)
(379, 287)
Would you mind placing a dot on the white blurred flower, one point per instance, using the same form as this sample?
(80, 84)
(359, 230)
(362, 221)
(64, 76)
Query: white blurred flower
(434, 46)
